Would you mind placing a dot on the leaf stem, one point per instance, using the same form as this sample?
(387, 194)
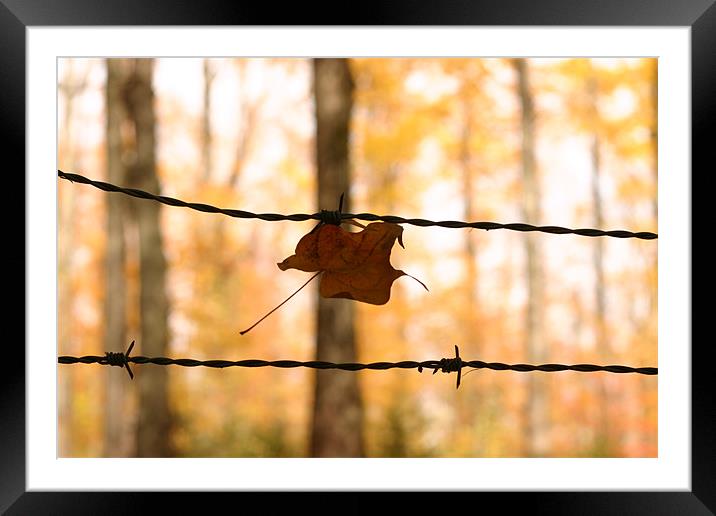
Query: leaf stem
(416, 279)
(279, 306)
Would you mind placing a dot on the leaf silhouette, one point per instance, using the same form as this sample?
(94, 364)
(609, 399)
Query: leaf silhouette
(353, 265)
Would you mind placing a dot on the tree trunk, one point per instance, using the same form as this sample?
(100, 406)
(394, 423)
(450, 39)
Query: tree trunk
(654, 132)
(116, 432)
(249, 111)
(154, 421)
(470, 406)
(70, 87)
(602, 437)
(644, 385)
(206, 156)
(338, 413)
(466, 167)
(248, 117)
(536, 410)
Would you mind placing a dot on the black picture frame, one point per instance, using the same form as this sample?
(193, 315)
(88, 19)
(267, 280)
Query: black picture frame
(17, 15)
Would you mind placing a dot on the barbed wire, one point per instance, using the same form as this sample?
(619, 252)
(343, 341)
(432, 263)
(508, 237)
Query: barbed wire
(446, 365)
(330, 216)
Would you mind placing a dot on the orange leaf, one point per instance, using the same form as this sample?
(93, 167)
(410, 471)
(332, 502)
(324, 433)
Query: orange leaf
(353, 265)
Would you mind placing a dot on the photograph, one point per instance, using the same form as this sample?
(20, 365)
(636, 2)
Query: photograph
(357, 257)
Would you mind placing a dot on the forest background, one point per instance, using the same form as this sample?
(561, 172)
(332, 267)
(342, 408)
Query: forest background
(568, 142)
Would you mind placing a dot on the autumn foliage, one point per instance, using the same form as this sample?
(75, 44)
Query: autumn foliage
(429, 138)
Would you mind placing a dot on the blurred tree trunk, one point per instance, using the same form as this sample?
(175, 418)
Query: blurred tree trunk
(466, 166)
(470, 406)
(249, 110)
(337, 413)
(154, 420)
(206, 156)
(70, 87)
(602, 436)
(248, 117)
(117, 436)
(654, 131)
(644, 386)
(537, 406)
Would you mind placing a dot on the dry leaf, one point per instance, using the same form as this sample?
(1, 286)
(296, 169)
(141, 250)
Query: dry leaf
(353, 265)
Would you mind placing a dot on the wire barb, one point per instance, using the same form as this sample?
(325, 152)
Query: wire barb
(329, 216)
(120, 359)
(450, 365)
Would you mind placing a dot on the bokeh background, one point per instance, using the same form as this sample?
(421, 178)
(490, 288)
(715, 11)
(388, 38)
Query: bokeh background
(568, 142)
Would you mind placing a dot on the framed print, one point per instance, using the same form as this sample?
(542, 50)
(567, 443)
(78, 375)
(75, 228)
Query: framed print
(185, 139)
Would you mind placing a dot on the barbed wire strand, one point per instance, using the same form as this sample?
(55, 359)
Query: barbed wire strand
(446, 365)
(324, 214)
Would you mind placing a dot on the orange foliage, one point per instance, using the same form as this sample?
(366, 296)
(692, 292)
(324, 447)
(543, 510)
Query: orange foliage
(418, 125)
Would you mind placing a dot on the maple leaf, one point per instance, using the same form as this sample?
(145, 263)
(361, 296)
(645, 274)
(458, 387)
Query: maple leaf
(353, 265)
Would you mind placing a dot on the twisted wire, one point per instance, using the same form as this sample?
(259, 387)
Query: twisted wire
(351, 366)
(445, 365)
(330, 217)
